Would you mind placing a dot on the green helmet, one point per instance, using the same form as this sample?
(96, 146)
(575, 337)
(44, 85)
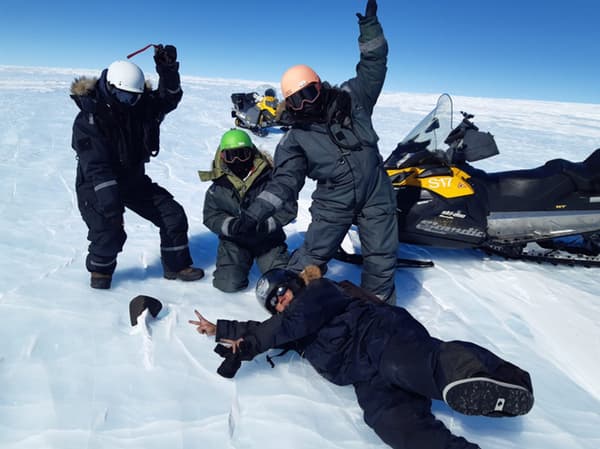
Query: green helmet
(235, 138)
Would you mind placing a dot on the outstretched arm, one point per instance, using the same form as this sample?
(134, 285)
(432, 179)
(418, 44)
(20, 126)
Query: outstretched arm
(372, 68)
(169, 83)
(282, 190)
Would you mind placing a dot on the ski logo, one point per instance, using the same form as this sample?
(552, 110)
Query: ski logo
(451, 215)
(440, 183)
(262, 288)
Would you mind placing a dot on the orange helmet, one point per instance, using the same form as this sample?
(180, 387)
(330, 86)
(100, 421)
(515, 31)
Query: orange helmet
(296, 78)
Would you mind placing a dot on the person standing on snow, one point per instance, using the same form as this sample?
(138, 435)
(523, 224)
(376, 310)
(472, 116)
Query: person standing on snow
(114, 135)
(240, 172)
(332, 141)
(351, 337)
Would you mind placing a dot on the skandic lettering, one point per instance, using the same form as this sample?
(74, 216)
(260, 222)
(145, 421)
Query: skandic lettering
(452, 214)
(438, 228)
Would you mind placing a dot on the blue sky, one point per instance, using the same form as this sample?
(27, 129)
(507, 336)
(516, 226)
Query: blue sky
(532, 49)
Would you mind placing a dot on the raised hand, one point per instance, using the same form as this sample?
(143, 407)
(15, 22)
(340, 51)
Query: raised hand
(165, 55)
(370, 10)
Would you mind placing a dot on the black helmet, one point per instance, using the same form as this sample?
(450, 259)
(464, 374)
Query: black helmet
(271, 282)
(270, 92)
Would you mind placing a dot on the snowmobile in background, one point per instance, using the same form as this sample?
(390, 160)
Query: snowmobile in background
(255, 112)
(546, 214)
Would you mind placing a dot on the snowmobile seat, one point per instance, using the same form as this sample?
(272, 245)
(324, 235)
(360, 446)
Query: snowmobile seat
(539, 187)
(585, 175)
(593, 162)
(243, 101)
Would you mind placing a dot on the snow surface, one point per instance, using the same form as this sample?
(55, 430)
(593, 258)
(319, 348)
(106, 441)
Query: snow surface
(75, 374)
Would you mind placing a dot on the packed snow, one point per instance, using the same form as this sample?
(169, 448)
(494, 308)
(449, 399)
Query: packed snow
(75, 374)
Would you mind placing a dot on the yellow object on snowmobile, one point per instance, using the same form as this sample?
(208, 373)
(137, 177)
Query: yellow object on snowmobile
(447, 185)
(268, 103)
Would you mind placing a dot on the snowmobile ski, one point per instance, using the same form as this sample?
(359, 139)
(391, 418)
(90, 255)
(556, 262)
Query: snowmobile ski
(357, 259)
(533, 252)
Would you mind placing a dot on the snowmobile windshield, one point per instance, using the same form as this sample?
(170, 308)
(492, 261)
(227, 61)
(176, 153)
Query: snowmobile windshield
(429, 134)
(435, 127)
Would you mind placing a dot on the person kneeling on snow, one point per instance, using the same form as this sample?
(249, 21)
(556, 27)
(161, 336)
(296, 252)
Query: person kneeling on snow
(350, 337)
(240, 173)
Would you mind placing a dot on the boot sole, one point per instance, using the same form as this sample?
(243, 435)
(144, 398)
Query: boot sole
(185, 278)
(488, 397)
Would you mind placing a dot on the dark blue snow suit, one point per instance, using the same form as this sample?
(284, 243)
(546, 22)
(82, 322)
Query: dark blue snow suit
(352, 186)
(113, 143)
(222, 203)
(396, 367)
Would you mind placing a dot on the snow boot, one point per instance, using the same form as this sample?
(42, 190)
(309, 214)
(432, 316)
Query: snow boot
(100, 280)
(187, 274)
(487, 397)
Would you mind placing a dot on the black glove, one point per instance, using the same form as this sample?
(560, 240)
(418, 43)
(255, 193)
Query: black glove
(370, 10)
(245, 223)
(267, 226)
(165, 57)
(232, 363)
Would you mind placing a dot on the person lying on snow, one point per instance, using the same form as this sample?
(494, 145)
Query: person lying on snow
(351, 337)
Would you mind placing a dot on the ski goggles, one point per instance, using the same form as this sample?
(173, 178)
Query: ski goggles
(274, 299)
(280, 291)
(125, 97)
(306, 95)
(242, 154)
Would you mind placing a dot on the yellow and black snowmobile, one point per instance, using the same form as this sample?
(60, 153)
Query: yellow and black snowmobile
(549, 213)
(255, 112)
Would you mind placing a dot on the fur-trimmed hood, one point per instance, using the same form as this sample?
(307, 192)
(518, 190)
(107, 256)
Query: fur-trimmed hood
(262, 162)
(87, 92)
(310, 273)
(84, 85)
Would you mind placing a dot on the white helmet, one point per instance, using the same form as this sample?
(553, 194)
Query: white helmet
(126, 76)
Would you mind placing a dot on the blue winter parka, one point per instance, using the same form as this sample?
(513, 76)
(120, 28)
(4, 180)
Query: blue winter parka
(342, 336)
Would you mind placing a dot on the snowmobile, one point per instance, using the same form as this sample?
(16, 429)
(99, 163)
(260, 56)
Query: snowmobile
(255, 112)
(549, 213)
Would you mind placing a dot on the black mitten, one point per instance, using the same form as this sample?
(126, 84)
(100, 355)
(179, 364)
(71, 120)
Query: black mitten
(245, 223)
(232, 363)
(370, 10)
(223, 351)
(165, 58)
(266, 227)
(165, 55)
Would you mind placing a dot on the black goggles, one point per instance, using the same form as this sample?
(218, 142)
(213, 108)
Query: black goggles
(242, 154)
(124, 97)
(280, 291)
(306, 95)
